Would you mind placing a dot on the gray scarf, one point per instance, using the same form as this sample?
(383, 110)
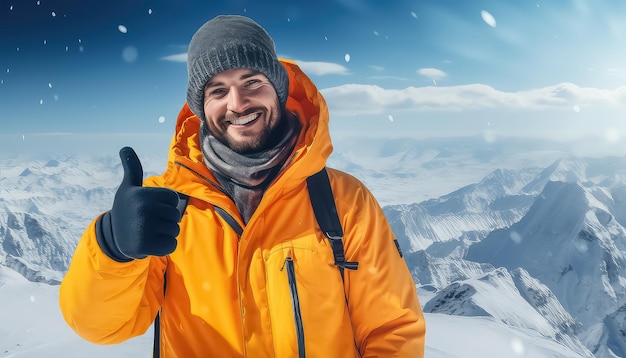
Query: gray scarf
(245, 177)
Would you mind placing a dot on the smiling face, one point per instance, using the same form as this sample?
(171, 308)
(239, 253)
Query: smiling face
(241, 110)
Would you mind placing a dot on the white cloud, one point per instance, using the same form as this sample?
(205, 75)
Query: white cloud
(371, 99)
(322, 68)
(432, 73)
(181, 57)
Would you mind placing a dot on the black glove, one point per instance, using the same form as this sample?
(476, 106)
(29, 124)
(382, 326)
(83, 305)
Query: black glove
(143, 220)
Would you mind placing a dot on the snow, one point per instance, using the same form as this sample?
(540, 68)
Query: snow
(32, 325)
(37, 329)
(467, 337)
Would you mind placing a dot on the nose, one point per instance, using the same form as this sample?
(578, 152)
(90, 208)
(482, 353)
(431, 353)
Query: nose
(236, 100)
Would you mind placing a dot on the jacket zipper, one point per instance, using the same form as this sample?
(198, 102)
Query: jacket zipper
(295, 302)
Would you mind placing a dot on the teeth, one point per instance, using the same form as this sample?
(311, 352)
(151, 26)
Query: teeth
(244, 120)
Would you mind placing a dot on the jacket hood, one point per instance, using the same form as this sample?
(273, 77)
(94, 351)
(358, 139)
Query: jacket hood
(312, 149)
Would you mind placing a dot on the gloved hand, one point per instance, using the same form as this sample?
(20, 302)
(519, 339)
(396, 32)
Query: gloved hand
(143, 220)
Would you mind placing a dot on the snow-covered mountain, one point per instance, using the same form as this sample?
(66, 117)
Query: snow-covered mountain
(562, 227)
(45, 204)
(535, 307)
(512, 242)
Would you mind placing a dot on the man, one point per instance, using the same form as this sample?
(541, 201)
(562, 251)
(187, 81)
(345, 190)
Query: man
(246, 270)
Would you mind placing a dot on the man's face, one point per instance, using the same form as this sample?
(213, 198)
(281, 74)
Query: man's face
(241, 109)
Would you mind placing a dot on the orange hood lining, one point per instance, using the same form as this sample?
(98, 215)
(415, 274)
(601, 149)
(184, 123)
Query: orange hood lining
(314, 144)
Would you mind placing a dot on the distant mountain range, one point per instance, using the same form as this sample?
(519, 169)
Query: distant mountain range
(553, 240)
(520, 232)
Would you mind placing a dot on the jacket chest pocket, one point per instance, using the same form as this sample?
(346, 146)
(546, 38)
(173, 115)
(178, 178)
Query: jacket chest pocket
(305, 295)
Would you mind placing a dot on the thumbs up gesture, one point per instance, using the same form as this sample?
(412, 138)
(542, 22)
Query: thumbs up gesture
(143, 220)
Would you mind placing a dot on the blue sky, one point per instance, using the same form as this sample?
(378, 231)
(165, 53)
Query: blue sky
(416, 68)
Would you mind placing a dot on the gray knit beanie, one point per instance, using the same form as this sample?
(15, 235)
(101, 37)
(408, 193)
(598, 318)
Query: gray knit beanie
(228, 42)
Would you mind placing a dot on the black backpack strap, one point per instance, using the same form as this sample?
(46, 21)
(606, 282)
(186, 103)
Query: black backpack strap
(230, 220)
(156, 347)
(325, 210)
(183, 200)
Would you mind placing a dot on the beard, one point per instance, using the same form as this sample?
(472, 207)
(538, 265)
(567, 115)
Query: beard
(269, 136)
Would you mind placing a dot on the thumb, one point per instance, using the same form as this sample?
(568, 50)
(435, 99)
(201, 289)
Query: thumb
(133, 172)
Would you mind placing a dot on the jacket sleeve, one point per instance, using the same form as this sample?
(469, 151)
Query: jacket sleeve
(105, 301)
(382, 297)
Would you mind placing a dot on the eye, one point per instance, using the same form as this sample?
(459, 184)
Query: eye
(217, 92)
(253, 82)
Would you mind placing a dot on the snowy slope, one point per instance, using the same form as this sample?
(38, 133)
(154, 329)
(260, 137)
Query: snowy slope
(31, 325)
(515, 299)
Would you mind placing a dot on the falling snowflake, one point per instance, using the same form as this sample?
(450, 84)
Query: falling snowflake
(45, 42)
(488, 18)
(413, 14)
(347, 57)
(41, 101)
(49, 84)
(517, 346)
(390, 117)
(581, 246)
(613, 135)
(161, 119)
(122, 29)
(11, 8)
(130, 54)
(149, 11)
(54, 14)
(516, 237)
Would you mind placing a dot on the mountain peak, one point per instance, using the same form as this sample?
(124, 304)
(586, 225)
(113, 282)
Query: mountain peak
(26, 172)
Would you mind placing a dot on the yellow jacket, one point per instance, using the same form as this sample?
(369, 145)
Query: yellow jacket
(227, 296)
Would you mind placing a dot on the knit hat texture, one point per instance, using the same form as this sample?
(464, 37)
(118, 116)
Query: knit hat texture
(228, 42)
